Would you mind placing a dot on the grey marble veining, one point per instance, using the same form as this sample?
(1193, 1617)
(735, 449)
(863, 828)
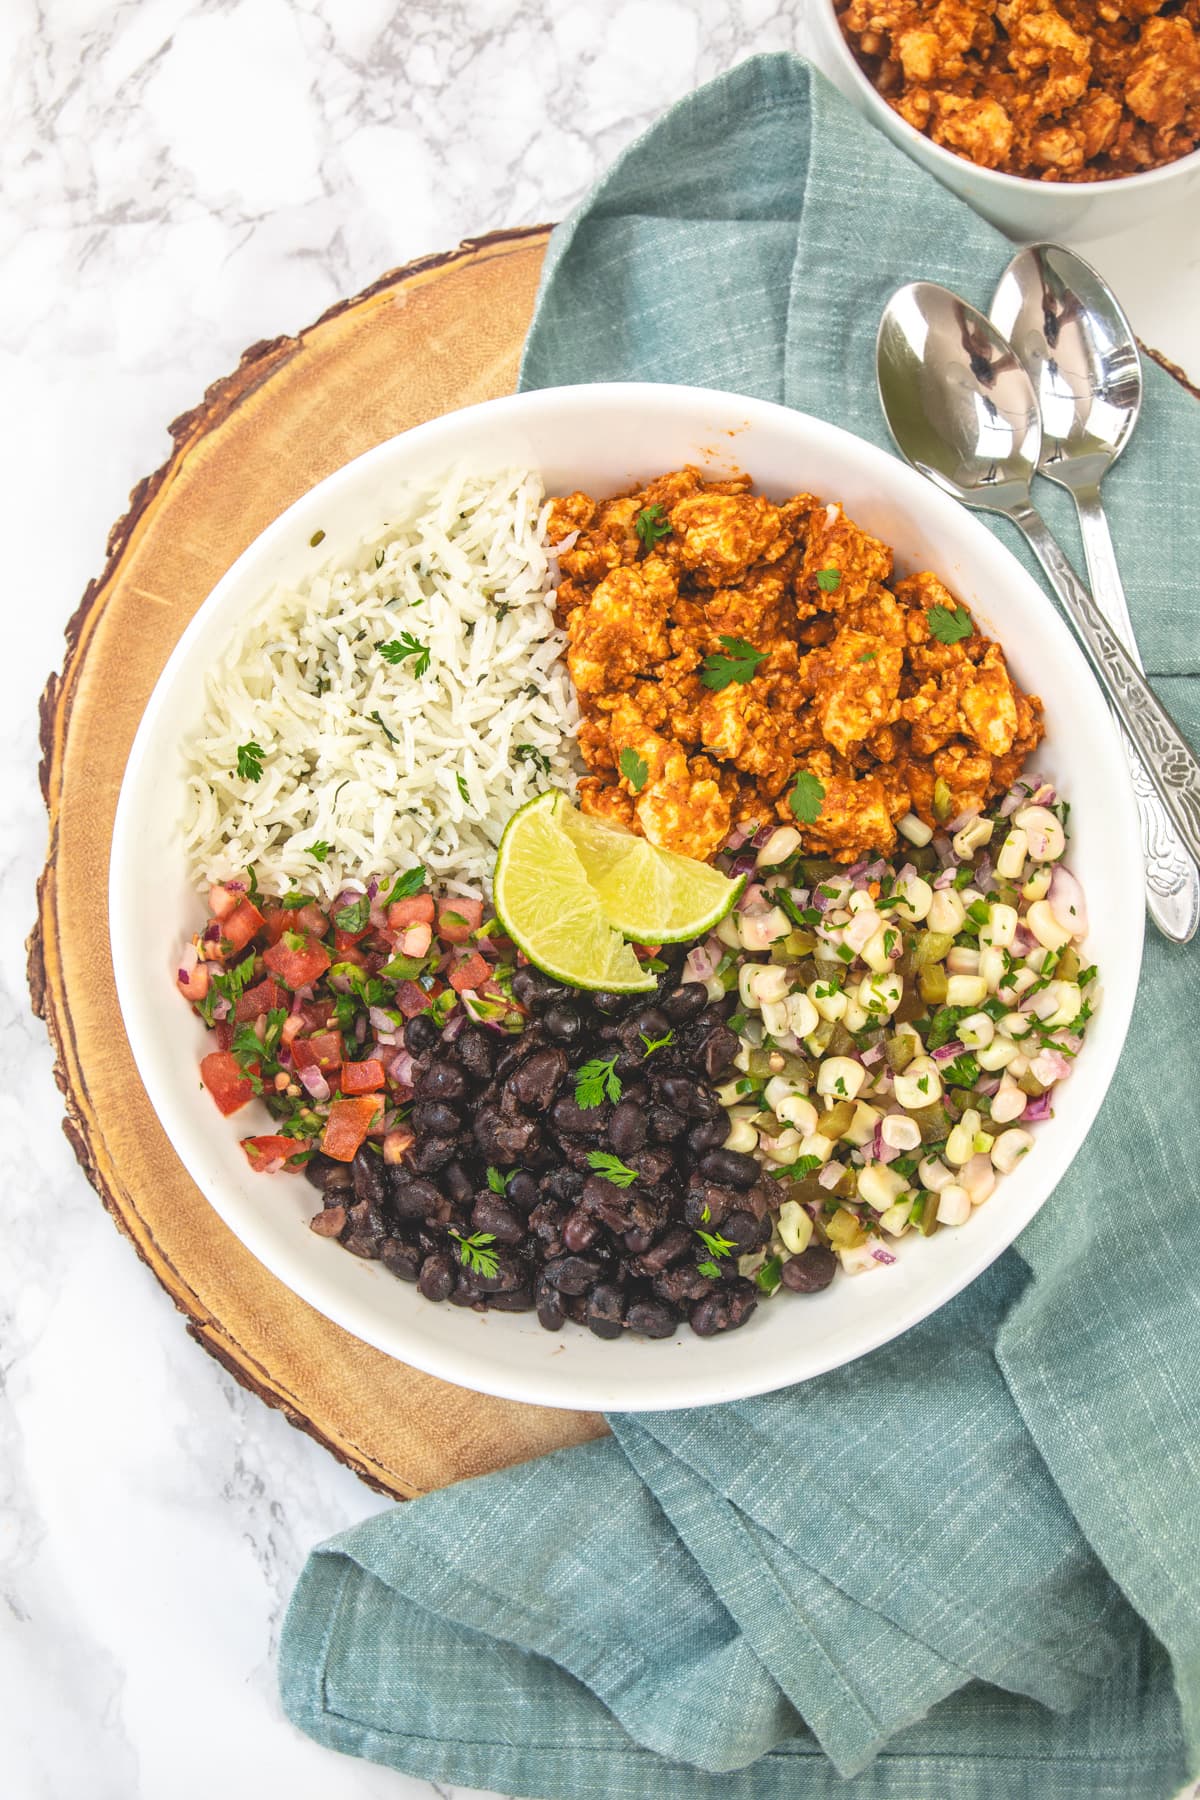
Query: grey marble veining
(180, 178)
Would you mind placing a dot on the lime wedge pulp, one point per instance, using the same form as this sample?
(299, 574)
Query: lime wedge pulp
(650, 895)
(549, 909)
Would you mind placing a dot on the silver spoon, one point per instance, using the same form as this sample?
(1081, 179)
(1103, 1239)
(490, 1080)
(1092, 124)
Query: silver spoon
(963, 411)
(1079, 350)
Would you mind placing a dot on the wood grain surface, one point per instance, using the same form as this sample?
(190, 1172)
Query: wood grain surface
(423, 340)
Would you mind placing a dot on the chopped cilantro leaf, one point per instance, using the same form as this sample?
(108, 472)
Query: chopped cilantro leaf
(635, 770)
(949, 627)
(740, 664)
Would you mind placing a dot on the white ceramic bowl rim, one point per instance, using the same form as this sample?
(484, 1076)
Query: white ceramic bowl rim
(998, 180)
(506, 1354)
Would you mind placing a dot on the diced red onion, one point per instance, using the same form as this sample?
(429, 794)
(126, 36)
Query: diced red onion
(982, 878)
(830, 1175)
(877, 1141)
(1045, 795)
(944, 880)
(888, 1152)
(743, 865)
(821, 901)
(360, 1030)
(1016, 796)
(906, 874)
(1070, 1041)
(1067, 901)
(454, 1025)
(212, 933)
(313, 1083)
(402, 1068)
(948, 1052)
(1038, 1109)
(761, 835)
(856, 874)
(701, 963)
(961, 819)
(372, 888)
(381, 1020)
(881, 1255)
(871, 1057)
(222, 1010)
(234, 887)
(1049, 1066)
(945, 850)
(737, 837)
(752, 895)
(860, 930)
(1023, 940)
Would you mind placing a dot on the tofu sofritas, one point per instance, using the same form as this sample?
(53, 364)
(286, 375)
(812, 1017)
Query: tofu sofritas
(738, 661)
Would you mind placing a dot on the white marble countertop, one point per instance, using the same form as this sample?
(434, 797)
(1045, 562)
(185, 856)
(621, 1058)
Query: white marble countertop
(180, 178)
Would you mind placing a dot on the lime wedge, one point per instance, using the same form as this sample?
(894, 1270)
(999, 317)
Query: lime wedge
(549, 909)
(652, 896)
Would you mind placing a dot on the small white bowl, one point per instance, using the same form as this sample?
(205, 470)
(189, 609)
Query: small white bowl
(602, 438)
(1029, 211)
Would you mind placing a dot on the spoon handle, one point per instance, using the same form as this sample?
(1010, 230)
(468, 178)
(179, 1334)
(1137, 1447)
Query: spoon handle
(1172, 881)
(1167, 757)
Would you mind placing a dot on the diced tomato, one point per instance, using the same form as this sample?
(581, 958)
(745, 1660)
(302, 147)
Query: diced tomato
(279, 922)
(256, 1001)
(346, 940)
(321, 1051)
(418, 909)
(242, 924)
(193, 983)
(351, 954)
(274, 1153)
(223, 1032)
(297, 968)
(310, 918)
(469, 973)
(221, 900)
(411, 999)
(361, 1077)
(348, 1124)
(467, 916)
(222, 1076)
(319, 1012)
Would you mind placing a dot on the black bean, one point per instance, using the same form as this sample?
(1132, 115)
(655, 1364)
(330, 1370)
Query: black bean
(563, 1024)
(574, 1274)
(441, 1081)
(520, 1299)
(682, 1004)
(745, 1232)
(475, 1052)
(522, 1191)
(638, 1239)
(651, 1023)
(369, 1175)
(606, 1199)
(685, 1096)
(613, 1006)
(653, 1165)
(708, 1134)
(707, 1204)
(720, 1048)
(627, 1128)
(503, 1140)
(579, 1231)
(421, 1034)
(533, 989)
(535, 1082)
(579, 1121)
(562, 1184)
(456, 1183)
(412, 1198)
(652, 1318)
(666, 1124)
(430, 1154)
(400, 1258)
(674, 1243)
(489, 1213)
(329, 1222)
(547, 1219)
(811, 1271)
(362, 1243)
(605, 1310)
(507, 1276)
(681, 1284)
(724, 1311)
(551, 1311)
(433, 1118)
(732, 1167)
(324, 1172)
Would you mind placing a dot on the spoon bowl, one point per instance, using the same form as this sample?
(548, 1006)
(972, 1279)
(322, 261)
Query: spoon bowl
(1068, 331)
(958, 401)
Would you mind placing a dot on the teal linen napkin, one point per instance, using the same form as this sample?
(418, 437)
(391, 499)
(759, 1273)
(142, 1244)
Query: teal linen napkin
(969, 1564)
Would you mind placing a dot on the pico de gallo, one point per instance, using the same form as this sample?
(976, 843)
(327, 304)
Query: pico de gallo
(307, 1006)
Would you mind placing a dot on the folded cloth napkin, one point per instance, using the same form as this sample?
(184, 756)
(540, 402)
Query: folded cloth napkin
(969, 1564)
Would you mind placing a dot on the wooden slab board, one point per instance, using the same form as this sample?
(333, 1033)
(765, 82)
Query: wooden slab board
(423, 340)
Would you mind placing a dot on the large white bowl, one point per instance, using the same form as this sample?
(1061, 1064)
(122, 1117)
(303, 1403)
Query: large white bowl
(602, 438)
(1028, 211)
